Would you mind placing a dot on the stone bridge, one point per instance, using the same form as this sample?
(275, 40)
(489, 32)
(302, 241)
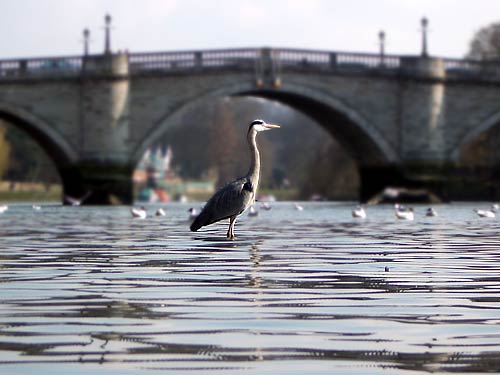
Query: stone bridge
(404, 119)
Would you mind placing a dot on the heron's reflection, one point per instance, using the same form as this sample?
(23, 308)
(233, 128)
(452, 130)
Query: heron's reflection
(255, 277)
(255, 282)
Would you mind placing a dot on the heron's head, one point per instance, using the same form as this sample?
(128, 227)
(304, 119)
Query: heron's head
(261, 125)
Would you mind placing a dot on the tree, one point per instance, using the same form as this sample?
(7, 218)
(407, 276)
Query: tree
(23, 159)
(4, 150)
(485, 44)
(224, 143)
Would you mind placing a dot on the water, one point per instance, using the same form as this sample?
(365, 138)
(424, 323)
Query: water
(89, 290)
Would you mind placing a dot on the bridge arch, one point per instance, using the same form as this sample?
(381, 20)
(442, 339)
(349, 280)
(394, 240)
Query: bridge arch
(360, 138)
(61, 152)
(488, 124)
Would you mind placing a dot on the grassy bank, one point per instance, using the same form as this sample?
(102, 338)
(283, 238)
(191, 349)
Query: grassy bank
(29, 192)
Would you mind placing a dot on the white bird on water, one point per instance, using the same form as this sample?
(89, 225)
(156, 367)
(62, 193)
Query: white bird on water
(72, 201)
(359, 212)
(485, 213)
(139, 213)
(234, 198)
(406, 214)
(3, 208)
(160, 212)
(298, 207)
(253, 212)
(431, 212)
(266, 206)
(192, 213)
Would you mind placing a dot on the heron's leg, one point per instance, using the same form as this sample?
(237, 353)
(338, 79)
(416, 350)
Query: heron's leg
(230, 231)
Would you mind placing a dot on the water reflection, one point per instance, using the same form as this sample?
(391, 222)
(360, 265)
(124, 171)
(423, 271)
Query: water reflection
(309, 292)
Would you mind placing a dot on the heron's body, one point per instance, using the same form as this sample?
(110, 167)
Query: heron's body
(234, 198)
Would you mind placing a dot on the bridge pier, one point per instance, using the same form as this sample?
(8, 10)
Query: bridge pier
(103, 172)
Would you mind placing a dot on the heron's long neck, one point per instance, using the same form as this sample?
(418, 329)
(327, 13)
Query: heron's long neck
(254, 171)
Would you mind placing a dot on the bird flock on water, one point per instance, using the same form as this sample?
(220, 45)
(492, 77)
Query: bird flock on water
(358, 212)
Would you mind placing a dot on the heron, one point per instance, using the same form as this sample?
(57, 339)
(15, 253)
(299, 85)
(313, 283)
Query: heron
(234, 198)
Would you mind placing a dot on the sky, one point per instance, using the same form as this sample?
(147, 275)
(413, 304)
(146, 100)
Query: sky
(39, 28)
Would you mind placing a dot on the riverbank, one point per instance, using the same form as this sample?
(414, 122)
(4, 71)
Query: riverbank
(29, 192)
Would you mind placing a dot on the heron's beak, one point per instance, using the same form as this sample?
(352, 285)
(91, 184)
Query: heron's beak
(272, 126)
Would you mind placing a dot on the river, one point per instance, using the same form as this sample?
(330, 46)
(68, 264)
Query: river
(90, 290)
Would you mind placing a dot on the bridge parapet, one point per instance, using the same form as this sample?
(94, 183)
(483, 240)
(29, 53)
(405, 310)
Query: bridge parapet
(248, 59)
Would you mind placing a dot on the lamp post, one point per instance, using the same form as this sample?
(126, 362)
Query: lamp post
(86, 37)
(381, 37)
(107, 40)
(425, 23)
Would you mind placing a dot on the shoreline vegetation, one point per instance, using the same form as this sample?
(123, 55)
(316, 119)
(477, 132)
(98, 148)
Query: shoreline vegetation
(29, 192)
(39, 192)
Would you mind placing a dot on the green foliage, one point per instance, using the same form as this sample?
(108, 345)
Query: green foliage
(23, 160)
(4, 150)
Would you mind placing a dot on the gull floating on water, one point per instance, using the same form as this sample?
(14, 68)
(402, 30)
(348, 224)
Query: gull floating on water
(139, 213)
(431, 212)
(160, 212)
(495, 207)
(36, 207)
(359, 211)
(266, 206)
(298, 207)
(485, 213)
(253, 211)
(406, 214)
(3, 208)
(72, 201)
(192, 213)
(399, 207)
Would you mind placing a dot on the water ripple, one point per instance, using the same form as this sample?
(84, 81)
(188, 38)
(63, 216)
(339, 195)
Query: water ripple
(91, 290)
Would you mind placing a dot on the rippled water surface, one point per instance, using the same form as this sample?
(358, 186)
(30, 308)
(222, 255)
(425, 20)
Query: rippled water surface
(89, 290)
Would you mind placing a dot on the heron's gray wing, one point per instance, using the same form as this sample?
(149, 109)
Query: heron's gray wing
(231, 200)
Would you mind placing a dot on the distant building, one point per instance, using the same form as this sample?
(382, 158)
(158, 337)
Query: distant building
(153, 168)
